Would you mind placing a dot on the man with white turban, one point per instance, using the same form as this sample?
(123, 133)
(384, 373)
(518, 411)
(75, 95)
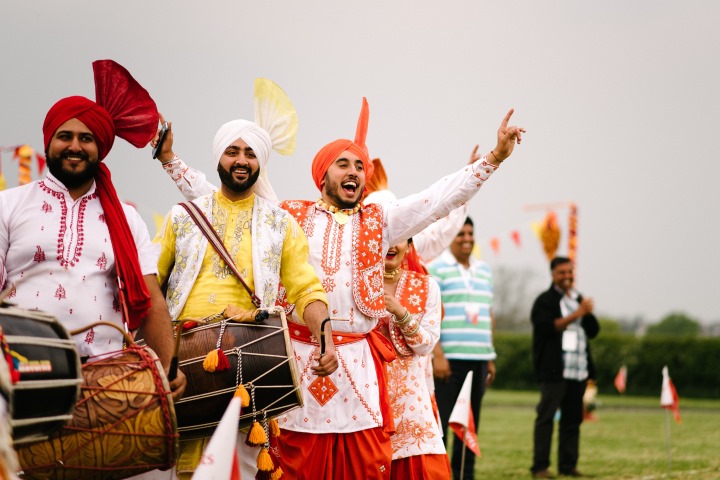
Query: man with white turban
(265, 242)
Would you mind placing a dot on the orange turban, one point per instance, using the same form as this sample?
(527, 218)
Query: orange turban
(330, 152)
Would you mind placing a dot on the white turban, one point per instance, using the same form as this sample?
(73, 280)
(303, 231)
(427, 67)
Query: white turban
(257, 139)
(275, 128)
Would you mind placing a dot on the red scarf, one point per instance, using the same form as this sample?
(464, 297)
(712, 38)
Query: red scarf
(123, 108)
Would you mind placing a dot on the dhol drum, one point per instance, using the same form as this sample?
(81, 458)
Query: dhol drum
(123, 425)
(45, 356)
(8, 457)
(267, 369)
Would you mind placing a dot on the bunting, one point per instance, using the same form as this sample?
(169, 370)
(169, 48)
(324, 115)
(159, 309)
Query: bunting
(23, 154)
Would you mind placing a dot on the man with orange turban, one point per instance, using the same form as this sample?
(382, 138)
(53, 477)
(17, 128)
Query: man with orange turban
(66, 240)
(343, 428)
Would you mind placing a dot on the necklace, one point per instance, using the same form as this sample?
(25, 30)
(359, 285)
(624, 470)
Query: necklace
(391, 274)
(341, 216)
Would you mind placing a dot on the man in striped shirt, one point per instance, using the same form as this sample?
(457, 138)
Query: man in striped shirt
(466, 336)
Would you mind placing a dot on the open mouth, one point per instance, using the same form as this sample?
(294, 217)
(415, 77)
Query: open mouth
(350, 187)
(241, 171)
(391, 254)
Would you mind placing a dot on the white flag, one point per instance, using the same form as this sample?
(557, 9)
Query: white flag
(219, 461)
(461, 419)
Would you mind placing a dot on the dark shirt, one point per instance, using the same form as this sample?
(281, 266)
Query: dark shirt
(547, 341)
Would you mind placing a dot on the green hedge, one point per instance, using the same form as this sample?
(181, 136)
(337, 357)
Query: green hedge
(694, 363)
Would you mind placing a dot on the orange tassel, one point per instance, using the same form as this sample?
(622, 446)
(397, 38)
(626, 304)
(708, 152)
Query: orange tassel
(211, 361)
(274, 428)
(264, 462)
(256, 436)
(223, 362)
(277, 474)
(242, 392)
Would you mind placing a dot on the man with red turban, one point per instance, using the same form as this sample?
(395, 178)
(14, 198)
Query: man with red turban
(65, 240)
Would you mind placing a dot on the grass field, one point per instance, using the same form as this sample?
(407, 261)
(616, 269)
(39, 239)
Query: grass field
(626, 441)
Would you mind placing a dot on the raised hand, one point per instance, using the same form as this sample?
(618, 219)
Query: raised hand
(507, 136)
(166, 154)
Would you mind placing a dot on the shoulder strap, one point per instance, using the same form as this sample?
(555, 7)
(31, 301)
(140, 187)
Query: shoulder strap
(207, 229)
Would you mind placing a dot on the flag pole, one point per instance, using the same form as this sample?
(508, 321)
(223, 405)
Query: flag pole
(667, 440)
(462, 458)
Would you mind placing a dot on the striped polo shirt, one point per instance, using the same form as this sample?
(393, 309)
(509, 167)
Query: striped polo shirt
(466, 329)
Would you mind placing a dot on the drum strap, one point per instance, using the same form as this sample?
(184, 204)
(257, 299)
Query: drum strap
(207, 229)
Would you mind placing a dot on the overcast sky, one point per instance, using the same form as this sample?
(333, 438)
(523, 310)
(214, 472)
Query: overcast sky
(619, 98)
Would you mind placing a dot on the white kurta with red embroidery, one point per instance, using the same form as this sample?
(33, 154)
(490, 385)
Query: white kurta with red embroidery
(56, 256)
(352, 403)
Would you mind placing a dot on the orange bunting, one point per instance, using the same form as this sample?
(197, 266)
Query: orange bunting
(495, 245)
(23, 154)
(550, 235)
(572, 232)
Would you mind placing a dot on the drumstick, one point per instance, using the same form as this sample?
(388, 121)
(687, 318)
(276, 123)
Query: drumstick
(322, 332)
(172, 373)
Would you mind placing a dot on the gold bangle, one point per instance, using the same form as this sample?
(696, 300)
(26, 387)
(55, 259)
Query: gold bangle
(404, 320)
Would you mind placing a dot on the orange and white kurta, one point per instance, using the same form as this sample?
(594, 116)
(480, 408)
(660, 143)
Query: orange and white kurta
(416, 430)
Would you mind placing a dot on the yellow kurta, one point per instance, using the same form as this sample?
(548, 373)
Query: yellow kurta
(216, 286)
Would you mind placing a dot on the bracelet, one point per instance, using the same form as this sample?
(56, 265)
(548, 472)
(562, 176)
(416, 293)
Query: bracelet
(404, 320)
(175, 157)
(495, 156)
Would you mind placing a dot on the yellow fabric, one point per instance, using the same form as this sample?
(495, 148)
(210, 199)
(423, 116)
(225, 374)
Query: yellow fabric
(190, 454)
(212, 293)
(275, 113)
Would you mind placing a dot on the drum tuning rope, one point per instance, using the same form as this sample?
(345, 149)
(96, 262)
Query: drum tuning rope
(240, 391)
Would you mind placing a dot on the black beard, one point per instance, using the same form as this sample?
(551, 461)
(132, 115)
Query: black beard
(68, 178)
(238, 187)
(331, 189)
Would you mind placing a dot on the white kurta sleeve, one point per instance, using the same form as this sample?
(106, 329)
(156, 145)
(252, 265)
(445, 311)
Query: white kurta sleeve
(437, 237)
(410, 215)
(192, 183)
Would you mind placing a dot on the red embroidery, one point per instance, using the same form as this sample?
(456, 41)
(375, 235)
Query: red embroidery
(332, 247)
(63, 226)
(102, 262)
(46, 207)
(60, 293)
(328, 284)
(412, 293)
(116, 304)
(90, 336)
(366, 252)
(323, 389)
(101, 218)
(39, 254)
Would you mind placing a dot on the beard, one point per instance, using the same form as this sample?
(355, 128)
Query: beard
(72, 178)
(237, 186)
(331, 190)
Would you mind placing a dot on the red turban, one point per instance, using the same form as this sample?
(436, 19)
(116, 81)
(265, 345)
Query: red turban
(95, 117)
(330, 152)
(123, 108)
